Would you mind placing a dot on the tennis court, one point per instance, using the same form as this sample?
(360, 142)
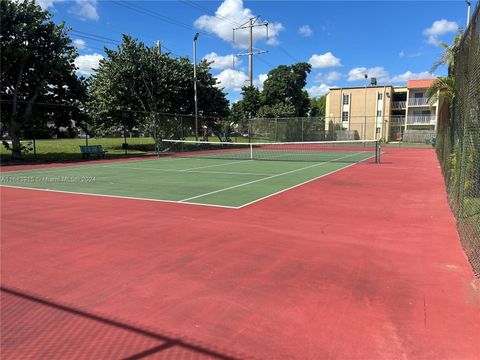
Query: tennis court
(216, 174)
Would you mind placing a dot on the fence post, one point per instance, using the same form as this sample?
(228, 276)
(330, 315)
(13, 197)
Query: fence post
(302, 128)
(34, 146)
(276, 130)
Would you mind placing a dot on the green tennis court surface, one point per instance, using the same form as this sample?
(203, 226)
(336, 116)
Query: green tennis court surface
(205, 181)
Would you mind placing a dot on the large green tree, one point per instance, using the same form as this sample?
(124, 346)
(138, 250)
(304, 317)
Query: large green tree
(317, 106)
(286, 84)
(37, 66)
(135, 83)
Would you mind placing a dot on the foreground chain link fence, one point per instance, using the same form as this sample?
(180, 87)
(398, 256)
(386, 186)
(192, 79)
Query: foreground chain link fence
(458, 145)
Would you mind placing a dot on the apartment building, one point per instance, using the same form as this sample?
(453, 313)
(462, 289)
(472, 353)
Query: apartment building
(382, 112)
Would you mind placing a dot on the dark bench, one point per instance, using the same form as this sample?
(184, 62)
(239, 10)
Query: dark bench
(86, 151)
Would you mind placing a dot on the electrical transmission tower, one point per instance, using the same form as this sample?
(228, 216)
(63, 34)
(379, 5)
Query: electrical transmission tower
(250, 24)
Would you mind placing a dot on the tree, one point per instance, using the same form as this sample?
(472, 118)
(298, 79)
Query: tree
(37, 65)
(443, 86)
(135, 83)
(251, 101)
(286, 83)
(447, 57)
(278, 110)
(317, 106)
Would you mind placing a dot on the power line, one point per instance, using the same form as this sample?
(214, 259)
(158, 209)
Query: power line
(161, 17)
(202, 9)
(94, 35)
(99, 38)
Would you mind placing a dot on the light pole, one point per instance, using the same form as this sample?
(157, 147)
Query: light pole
(365, 109)
(468, 11)
(195, 83)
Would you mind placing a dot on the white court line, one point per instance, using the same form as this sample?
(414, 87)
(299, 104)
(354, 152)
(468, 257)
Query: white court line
(302, 183)
(209, 166)
(120, 197)
(80, 166)
(192, 171)
(268, 177)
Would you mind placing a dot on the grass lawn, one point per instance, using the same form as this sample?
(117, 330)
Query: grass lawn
(69, 149)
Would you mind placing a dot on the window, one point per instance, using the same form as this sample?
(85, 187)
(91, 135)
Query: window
(379, 113)
(346, 99)
(345, 116)
(378, 130)
(380, 96)
(418, 95)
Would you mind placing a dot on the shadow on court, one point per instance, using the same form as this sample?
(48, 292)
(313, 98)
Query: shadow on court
(36, 327)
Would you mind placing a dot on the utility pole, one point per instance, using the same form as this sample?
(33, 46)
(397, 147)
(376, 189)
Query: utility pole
(468, 12)
(195, 38)
(365, 123)
(250, 24)
(159, 47)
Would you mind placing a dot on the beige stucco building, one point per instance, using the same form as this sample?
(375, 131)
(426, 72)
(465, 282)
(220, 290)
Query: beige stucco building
(382, 112)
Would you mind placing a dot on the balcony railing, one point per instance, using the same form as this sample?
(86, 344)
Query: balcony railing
(421, 119)
(418, 101)
(399, 104)
(413, 120)
(397, 120)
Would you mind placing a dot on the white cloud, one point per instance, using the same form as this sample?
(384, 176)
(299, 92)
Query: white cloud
(305, 31)
(328, 78)
(382, 75)
(234, 80)
(260, 80)
(358, 73)
(408, 75)
(85, 9)
(438, 28)
(315, 91)
(410, 55)
(222, 62)
(324, 61)
(231, 13)
(45, 4)
(79, 43)
(87, 64)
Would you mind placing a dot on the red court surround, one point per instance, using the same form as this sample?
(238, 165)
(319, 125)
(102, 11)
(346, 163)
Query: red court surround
(363, 264)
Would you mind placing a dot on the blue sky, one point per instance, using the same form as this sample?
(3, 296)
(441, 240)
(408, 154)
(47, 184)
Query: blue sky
(391, 40)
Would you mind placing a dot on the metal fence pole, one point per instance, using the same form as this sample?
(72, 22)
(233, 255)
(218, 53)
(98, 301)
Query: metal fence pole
(302, 128)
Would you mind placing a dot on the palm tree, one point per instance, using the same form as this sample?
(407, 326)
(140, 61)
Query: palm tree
(443, 86)
(447, 57)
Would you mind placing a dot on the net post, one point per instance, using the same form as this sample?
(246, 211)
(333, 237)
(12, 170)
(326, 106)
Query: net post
(377, 152)
(251, 151)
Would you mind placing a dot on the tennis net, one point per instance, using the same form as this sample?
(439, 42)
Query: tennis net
(350, 151)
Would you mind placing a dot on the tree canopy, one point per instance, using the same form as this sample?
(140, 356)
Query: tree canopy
(283, 95)
(286, 83)
(37, 66)
(135, 82)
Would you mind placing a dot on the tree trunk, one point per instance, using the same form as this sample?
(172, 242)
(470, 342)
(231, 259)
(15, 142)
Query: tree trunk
(13, 124)
(13, 133)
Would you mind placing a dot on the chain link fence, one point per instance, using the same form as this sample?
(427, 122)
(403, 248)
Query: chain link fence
(458, 142)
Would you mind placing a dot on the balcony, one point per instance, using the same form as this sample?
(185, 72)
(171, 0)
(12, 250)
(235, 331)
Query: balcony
(418, 101)
(399, 105)
(421, 119)
(397, 120)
